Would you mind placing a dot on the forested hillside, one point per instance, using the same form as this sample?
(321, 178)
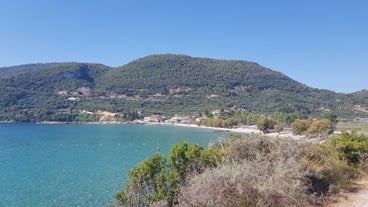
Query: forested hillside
(166, 84)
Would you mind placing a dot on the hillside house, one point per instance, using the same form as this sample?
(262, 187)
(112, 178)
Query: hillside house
(217, 113)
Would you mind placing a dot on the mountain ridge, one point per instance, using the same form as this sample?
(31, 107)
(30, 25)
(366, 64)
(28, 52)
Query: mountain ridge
(165, 84)
(4, 69)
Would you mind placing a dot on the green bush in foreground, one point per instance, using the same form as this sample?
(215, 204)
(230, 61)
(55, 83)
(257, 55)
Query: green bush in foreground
(328, 173)
(158, 179)
(351, 147)
(336, 162)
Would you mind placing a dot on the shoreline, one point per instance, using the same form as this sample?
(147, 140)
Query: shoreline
(240, 129)
(245, 130)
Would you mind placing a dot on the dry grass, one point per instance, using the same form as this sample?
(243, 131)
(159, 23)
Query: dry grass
(256, 172)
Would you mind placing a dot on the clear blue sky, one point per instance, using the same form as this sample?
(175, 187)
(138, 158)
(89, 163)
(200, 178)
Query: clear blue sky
(322, 43)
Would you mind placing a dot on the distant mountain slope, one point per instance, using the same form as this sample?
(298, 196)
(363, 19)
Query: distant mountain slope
(28, 68)
(167, 71)
(205, 81)
(53, 77)
(167, 84)
(34, 92)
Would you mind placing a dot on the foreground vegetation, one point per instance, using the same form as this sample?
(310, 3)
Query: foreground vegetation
(247, 171)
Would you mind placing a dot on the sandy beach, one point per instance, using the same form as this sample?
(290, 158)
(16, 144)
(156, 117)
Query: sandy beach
(240, 130)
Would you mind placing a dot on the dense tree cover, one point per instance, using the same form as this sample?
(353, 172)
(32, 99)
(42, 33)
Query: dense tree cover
(166, 84)
(33, 95)
(224, 123)
(250, 171)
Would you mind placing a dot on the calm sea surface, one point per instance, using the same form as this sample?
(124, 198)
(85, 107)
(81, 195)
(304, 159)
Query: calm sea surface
(79, 165)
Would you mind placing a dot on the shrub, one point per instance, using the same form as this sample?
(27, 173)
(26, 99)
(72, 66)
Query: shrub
(309, 127)
(144, 184)
(250, 171)
(266, 124)
(352, 147)
(278, 128)
(156, 181)
(256, 172)
(300, 126)
(328, 173)
(210, 157)
(334, 163)
(320, 128)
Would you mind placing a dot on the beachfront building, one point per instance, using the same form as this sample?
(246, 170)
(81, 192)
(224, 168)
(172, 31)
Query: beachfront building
(180, 120)
(153, 119)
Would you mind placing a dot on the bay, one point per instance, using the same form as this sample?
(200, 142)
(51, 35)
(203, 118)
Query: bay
(79, 164)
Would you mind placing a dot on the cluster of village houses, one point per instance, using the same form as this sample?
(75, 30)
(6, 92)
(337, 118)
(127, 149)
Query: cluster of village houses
(154, 119)
(158, 119)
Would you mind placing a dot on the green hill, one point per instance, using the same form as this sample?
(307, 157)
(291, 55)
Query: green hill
(32, 94)
(166, 84)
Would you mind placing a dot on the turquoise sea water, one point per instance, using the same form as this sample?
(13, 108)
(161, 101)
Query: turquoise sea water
(79, 165)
